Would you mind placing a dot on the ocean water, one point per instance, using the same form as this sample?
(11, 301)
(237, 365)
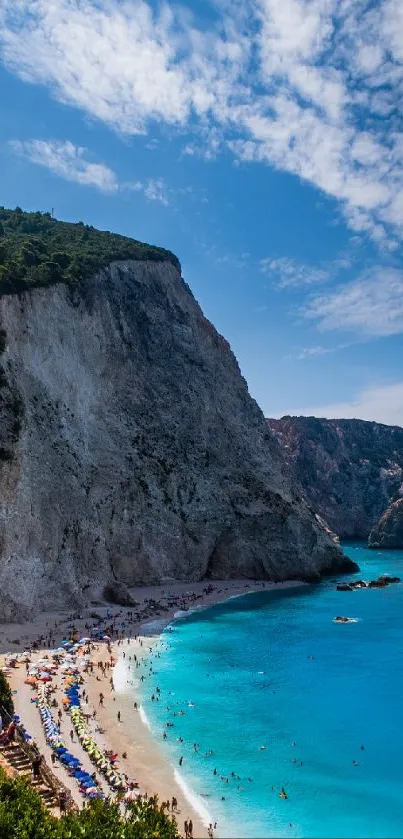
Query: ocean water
(274, 670)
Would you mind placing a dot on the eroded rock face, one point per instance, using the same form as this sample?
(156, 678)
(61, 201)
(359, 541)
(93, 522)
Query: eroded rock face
(134, 452)
(118, 593)
(388, 532)
(348, 470)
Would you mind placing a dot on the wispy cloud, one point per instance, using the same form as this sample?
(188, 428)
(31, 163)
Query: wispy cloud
(73, 163)
(379, 403)
(289, 273)
(313, 352)
(68, 161)
(155, 190)
(311, 88)
(371, 305)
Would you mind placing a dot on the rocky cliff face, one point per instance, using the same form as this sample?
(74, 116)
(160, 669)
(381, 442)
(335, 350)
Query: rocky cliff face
(388, 532)
(348, 470)
(131, 451)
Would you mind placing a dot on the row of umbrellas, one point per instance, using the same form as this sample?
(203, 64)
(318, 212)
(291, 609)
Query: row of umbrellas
(73, 764)
(103, 763)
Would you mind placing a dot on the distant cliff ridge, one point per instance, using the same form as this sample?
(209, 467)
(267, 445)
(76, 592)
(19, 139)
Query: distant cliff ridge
(348, 470)
(388, 532)
(130, 449)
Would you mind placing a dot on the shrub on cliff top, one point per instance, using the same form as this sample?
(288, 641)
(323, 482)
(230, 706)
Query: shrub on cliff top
(38, 250)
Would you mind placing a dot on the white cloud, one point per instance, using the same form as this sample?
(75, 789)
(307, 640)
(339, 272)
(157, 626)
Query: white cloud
(371, 305)
(71, 162)
(68, 161)
(383, 403)
(295, 84)
(311, 352)
(289, 273)
(155, 190)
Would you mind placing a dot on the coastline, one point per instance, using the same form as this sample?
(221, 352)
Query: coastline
(146, 760)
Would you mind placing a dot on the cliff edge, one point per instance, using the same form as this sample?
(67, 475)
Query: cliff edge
(131, 451)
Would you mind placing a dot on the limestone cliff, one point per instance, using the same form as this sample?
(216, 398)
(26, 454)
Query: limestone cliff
(348, 470)
(388, 532)
(130, 449)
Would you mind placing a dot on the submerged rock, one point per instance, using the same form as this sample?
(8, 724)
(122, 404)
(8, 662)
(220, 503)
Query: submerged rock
(383, 581)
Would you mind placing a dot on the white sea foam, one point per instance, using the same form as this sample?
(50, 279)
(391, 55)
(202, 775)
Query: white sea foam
(121, 673)
(193, 799)
(144, 718)
(182, 613)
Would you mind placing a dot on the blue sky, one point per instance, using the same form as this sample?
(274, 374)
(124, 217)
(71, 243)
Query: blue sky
(259, 140)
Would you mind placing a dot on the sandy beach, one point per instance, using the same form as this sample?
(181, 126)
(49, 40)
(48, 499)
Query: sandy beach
(133, 631)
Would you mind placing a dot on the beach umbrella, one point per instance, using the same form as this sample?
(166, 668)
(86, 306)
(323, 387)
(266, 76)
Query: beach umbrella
(106, 638)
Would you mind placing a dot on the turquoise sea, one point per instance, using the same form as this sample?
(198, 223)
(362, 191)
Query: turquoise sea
(274, 670)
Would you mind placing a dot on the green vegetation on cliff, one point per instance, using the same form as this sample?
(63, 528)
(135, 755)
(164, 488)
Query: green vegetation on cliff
(23, 816)
(38, 250)
(6, 701)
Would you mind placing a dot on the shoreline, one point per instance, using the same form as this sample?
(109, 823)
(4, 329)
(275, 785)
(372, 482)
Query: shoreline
(146, 761)
(201, 814)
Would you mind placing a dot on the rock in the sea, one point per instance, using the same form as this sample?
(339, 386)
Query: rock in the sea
(344, 587)
(388, 532)
(383, 581)
(132, 450)
(348, 471)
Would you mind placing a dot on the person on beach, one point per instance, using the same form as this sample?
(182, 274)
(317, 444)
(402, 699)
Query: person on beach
(181, 760)
(118, 715)
(190, 829)
(11, 732)
(36, 767)
(62, 801)
(101, 699)
(186, 828)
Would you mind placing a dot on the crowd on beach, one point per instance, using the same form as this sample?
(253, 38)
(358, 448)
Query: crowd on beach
(74, 651)
(64, 668)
